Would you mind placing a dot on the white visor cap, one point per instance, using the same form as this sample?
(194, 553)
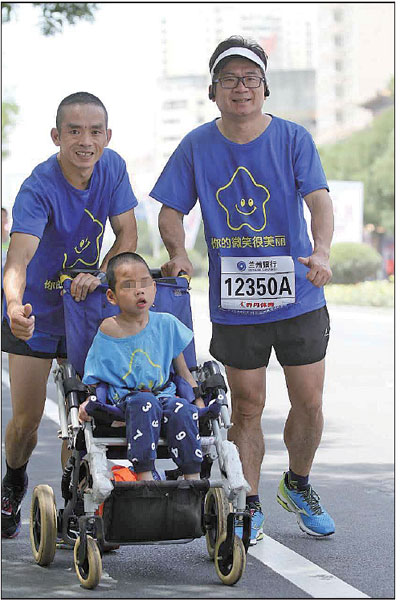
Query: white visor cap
(238, 51)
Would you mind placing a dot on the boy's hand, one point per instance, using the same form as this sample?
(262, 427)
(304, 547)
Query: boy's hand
(199, 402)
(82, 414)
(211, 411)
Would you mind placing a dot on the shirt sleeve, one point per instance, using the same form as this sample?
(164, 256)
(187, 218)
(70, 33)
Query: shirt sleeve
(176, 186)
(308, 170)
(181, 336)
(30, 212)
(123, 198)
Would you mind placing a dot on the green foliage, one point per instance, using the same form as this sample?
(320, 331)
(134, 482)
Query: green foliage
(9, 110)
(199, 262)
(154, 262)
(200, 244)
(377, 293)
(198, 256)
(194, 256)
(199, 284)
(353, 262)
(368, 156)
(54, 15)
(6, 11)
(145, 246)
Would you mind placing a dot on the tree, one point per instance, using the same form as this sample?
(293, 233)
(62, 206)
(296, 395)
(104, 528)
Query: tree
(368, 156)
(9, 110)
(54, 15)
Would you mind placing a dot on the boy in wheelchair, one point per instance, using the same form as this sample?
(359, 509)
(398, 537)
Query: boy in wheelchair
(129, 363)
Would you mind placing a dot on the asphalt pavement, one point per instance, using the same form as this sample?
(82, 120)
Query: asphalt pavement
(353, 473)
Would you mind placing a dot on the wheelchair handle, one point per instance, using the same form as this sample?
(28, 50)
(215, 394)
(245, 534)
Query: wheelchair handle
(155, 272)
(75, 271)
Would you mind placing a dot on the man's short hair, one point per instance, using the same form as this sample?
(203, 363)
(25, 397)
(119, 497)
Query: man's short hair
(79, 98)
(117, 260)
(232, 42)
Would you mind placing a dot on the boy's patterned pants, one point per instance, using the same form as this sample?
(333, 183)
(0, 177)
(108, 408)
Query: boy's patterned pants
(145, 414)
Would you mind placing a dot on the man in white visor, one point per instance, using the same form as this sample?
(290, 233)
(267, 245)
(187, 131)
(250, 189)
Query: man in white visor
(251, 171)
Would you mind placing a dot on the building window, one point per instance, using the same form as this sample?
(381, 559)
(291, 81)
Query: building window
(339, 91)
(338, 15)
(339, 65)
(175, 104)
(339, 116)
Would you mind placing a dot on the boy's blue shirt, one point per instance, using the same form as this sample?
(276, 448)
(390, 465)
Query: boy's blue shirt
(70, 224)
(138, 361)
(251, 198)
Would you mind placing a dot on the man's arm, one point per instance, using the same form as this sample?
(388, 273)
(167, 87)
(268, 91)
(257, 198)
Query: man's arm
(320, 205)
(125, 230)
(20, 252)
(170, 223)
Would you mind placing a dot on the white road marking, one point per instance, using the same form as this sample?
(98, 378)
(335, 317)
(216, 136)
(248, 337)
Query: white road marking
(303, 573)
(51, 410)
(5, 378)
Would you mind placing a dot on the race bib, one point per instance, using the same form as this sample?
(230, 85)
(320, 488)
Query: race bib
(257, 284)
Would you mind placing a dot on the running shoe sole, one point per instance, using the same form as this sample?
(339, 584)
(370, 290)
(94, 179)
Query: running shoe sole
(288, 505)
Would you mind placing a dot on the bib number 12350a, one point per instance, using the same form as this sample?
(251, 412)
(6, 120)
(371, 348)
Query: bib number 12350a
(257, 284)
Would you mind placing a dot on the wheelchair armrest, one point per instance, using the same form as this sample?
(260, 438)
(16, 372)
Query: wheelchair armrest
(104, 413)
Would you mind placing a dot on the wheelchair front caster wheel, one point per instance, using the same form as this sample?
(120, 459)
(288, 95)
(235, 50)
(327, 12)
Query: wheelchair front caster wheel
(89, 572)
(43, 525)
(230, 563)
(216, 506)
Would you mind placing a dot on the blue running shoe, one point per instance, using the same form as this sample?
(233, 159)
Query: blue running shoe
(257, 522)
(11, 499)
(312, 518)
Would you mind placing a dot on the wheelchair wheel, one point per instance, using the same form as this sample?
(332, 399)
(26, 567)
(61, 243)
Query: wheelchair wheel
(89, 573)
(217, 505)
(43, 525)
(230, 565)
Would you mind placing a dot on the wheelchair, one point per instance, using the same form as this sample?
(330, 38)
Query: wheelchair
(100, 513)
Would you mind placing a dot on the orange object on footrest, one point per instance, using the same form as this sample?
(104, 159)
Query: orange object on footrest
(121, 473)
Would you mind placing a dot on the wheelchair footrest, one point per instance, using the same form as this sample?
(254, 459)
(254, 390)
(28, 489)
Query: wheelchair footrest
(154, 511)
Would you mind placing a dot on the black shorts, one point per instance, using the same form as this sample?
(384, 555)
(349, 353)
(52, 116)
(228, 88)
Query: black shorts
(44, 345)
(297, 341)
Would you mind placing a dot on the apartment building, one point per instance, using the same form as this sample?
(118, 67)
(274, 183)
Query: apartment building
(325, 61)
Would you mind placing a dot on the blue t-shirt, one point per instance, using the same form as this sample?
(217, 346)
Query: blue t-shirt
(70, 224)
(139, 361)
(251, 198)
